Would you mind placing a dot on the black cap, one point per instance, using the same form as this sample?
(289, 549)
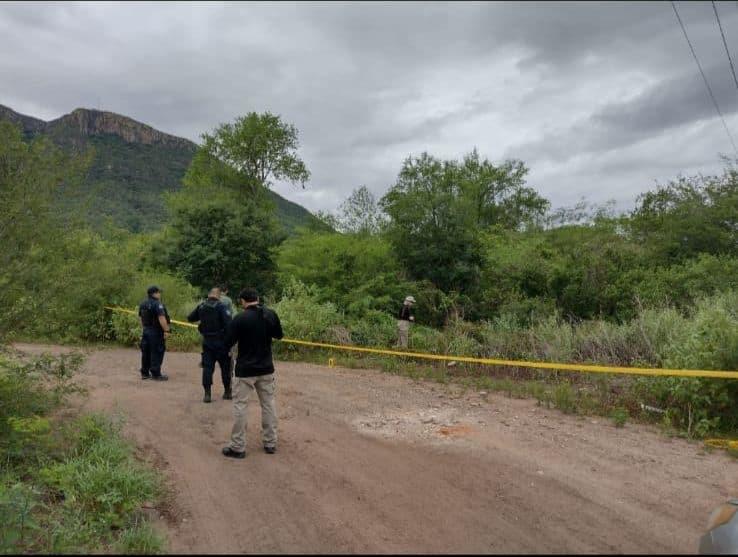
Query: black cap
(152, 290)
(249, 295)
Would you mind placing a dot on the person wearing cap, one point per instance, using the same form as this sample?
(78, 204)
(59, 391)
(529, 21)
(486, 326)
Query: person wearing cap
(214, 319)
(253, 329)
(404, 319)
(156, 328)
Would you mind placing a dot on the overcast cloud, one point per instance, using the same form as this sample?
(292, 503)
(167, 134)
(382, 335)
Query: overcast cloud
(599, 99)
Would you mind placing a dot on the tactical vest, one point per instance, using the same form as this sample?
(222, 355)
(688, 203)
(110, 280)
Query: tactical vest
(211, 319)
(147, 313)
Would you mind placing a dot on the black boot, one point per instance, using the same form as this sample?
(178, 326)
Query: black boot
(227, 394)
(206, 398)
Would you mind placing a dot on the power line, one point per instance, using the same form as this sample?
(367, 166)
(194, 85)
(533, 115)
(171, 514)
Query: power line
(725, 44)
(704, 78)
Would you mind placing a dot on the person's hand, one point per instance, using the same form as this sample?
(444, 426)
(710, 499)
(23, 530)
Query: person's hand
(166, 335)
(412, 318)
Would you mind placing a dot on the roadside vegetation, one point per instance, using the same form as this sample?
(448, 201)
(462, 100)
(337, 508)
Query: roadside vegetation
(496, 271)
(69, 483)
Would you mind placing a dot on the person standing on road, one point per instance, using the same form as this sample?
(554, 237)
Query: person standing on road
(253, 329)
(225, 300)
(214, 319)
(405, 317)
(229, 306)
(156, 328)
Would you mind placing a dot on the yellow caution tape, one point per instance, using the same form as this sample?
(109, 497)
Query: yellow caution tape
(661, 372)
(722, 443)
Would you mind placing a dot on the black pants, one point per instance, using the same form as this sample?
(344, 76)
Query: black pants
(152, 352)
(214, 350)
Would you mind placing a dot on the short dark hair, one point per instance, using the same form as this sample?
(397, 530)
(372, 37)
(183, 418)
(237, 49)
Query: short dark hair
(249, 295)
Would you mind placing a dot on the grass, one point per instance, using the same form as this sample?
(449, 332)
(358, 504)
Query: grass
(619, 416)
(67, 485)
(578, 394)
(657, 337)
(141, 539)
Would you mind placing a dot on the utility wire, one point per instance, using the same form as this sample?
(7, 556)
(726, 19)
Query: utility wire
(704, 77)
(725, 44)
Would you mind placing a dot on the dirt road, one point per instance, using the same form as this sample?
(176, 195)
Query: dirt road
(369, 462)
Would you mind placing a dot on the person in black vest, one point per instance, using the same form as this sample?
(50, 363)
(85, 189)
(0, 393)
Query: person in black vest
(214, 319)
(156, 327)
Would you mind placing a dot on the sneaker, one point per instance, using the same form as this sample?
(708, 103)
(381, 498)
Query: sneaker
(270, 450)
(207, 397)
(228, 395)
(143, 377)
(162, 377)
(227, 451)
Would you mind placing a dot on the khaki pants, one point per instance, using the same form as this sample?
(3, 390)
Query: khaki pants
(403, 328)
(242, 389)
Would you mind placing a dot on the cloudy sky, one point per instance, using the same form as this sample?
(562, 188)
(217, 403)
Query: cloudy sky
(599, 99)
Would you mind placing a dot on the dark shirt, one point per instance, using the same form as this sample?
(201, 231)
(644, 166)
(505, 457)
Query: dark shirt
(213, 316)
(254, 329)
(149, 311)
(406, 312)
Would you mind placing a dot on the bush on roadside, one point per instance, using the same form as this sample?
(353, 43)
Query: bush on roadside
(66, 487)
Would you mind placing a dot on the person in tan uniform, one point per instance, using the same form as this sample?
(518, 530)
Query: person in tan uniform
(405, 317)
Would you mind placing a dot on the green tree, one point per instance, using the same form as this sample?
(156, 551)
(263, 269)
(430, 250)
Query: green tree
(360, 213)
(341, 266)
(438, 208)
(31, 232)
(324, 221)
(222, 226)
(31, 176)
(689, 216)
(215, 234)
(357, 272)
(260, 148)
(497, 195)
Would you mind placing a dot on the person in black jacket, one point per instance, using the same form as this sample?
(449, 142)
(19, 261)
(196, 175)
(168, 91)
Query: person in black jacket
(214, 319)
(253, 329)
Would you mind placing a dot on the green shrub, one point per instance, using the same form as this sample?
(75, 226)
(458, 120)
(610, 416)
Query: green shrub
(69, 487)
(425, 339)
(564, 398)
(29, 390)
(375, 328)
(102, 478)
(619, 416)
(706, 340)
(302, 316)
(18, 504)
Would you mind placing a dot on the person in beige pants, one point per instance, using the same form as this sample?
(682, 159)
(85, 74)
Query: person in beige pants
(253, 329)
(264, 387)
(404, 318)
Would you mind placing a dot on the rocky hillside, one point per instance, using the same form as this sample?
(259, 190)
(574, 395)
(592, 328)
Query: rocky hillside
(133, 165)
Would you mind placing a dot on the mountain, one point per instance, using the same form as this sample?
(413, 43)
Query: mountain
(134, 165)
